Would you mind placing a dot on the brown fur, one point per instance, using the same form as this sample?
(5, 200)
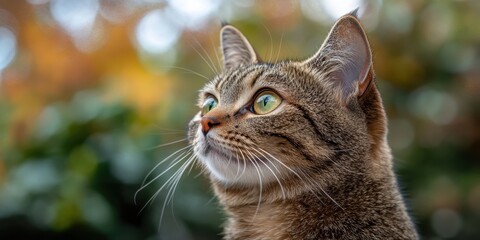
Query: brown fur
(323, 164)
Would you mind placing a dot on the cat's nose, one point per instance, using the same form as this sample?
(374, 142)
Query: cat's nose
(208, 123)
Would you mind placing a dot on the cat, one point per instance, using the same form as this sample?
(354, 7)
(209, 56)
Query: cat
(298, 149)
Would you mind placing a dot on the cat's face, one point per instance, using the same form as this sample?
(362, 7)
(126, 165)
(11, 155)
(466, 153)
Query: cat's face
(266, 122)
(251, 123)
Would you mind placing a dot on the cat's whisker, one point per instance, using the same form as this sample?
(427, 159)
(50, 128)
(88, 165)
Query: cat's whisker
(172, 185)
(164, 160)
(347, 150)
(283, 164)
(202, 171)
(190, 163)
(229, 160)
(166, 133)
(238, 175)
(244, 163)
(217, 71)
(279, 48)
(170, 143)
(205, 60)
(188, 71)
(302, 179)
(306, 178)
(191, 166)
(333, 200)
(342, 167)
(199, 173)
(171, 192)
(156, 166)
(210, 63)
(263, 155)
(170, 179)
(344, 150)
(270, 53)
(238, 165)
(259, 185)
(175, 162)
(273, 173)
(219, 61)
(210, 200)
(321, 189)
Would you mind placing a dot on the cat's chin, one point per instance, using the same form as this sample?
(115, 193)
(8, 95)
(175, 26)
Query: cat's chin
(233, 170)
(229, 169)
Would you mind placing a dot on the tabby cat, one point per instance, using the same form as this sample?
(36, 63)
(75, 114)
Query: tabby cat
(298, 149)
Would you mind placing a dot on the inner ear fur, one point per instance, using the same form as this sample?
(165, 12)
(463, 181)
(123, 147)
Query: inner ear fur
(345, 58)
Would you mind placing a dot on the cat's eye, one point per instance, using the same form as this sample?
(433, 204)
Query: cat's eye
(266, 102)
(209, 104)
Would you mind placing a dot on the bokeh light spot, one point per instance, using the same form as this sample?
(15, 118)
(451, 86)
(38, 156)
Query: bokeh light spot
(96, 211)
(336, 9)
(401, 134)
(446, 222)
(8, 47)
(38, 2)
(49, 122)
(77, 18)
(116, 11)
(328, 11)
(398, 16)
(439, 107)
(157, 32)
(194, 13)
(128, 165)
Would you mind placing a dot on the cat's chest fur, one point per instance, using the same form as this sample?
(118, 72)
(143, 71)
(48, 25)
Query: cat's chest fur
(358, 213)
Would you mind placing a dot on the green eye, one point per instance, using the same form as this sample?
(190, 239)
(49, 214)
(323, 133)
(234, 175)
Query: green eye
(266, 102)
(209, 104)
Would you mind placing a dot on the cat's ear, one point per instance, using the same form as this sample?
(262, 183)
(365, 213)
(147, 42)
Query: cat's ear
(346, 58)
(236, 49)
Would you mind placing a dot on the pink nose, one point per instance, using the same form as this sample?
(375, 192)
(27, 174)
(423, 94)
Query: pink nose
(208, 123)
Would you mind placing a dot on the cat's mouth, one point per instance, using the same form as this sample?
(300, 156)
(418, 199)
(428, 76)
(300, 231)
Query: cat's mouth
(215, 148)
(236, 164)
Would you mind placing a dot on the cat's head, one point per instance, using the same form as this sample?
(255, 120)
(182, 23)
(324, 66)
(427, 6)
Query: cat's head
(274, 124)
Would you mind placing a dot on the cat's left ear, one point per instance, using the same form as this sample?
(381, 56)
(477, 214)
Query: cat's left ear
(236, 49)
(346, 58)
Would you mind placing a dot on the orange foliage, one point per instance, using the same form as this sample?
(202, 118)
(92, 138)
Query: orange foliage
(53, 69)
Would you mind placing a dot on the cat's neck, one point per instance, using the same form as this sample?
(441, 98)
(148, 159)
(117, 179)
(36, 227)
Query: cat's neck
(362, 206)
(359, 200)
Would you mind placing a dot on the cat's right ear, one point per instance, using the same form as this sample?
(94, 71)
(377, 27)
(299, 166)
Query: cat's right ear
(236, 49)
(346, 59)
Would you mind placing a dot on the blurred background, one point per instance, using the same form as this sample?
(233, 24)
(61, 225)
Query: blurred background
(91, 90)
